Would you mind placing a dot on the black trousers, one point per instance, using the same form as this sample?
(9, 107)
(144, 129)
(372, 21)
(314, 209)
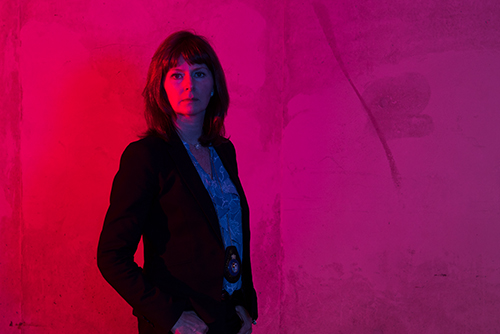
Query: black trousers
(228, 323)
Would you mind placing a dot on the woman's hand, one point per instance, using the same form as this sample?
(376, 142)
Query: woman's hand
(246, 328)
(189, 323)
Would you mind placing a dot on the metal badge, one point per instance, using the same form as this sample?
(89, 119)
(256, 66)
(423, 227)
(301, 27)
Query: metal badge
(232, 268)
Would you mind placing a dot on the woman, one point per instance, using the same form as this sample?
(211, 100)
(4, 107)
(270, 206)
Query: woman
(178, 188)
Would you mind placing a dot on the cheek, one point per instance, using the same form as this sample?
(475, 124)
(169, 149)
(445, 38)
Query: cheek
(171, 91)
(208, 87)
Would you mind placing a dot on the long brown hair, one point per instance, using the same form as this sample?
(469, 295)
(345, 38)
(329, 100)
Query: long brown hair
(159, 114)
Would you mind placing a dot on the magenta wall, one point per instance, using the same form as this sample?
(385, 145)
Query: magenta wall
(382, 219)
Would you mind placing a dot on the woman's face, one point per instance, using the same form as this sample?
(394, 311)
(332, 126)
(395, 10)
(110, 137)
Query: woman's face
(189, 88)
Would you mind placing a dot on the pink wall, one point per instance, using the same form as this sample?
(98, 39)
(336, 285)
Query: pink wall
(354, 230)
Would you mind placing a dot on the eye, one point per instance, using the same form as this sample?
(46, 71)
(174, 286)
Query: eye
(176, 76)
(200, 74)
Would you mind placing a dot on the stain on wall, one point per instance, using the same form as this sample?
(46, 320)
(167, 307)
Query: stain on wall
(397, 104)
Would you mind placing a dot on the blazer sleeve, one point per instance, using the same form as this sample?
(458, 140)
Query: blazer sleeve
(135, 186)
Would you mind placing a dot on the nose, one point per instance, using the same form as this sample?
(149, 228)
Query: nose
(188, 83)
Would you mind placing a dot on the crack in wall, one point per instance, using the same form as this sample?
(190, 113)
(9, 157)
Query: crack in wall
(324, 21)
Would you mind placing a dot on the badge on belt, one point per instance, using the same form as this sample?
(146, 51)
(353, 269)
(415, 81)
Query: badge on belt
(232, 268)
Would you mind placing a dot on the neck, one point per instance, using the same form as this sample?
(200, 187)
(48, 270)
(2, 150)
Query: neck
(190, 127)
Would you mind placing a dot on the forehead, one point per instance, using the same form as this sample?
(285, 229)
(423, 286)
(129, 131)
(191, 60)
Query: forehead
(181, 64)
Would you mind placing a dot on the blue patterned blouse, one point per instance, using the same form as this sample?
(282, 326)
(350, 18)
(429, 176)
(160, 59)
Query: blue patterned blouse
(227, 205)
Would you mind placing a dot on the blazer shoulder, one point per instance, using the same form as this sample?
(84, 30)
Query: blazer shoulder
(149, 143)
(227, 147)
(148, 150)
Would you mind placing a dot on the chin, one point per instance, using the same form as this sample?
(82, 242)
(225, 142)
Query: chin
(190, 112)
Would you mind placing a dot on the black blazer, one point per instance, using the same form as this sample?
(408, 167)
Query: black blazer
(158, 194)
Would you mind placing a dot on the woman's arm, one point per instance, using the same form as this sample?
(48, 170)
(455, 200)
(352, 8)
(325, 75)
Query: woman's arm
(134, 188)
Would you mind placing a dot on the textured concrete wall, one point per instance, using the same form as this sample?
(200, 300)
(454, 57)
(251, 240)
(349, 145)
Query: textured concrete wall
(390, 213)
(10, 171)
(367, 144)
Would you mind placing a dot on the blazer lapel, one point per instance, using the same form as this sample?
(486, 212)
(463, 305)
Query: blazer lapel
(229, 160)
(191, 178)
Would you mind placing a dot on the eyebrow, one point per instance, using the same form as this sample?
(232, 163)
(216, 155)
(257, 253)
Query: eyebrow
(194, 69)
